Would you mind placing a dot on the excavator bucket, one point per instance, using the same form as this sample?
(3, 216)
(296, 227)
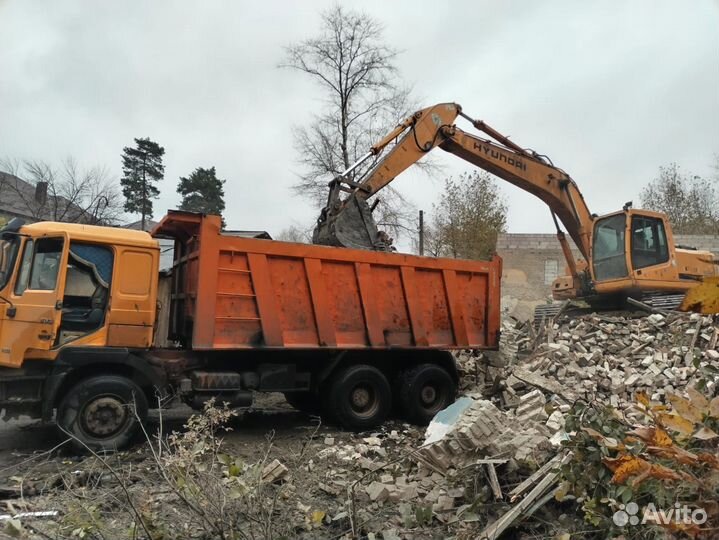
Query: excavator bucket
(352, 227)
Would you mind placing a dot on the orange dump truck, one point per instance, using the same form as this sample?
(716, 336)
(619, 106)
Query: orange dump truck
(91, 332)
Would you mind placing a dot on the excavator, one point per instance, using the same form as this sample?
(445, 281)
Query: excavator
(628, 254)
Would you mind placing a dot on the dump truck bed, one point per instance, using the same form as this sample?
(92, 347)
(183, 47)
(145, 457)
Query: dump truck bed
(231, 292)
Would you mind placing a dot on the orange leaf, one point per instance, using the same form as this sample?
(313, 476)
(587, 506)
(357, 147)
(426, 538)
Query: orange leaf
(614, 463)
(685, 408)
(675, 453)
(643, 399)
(676, 423)
(625, 467)
(709, 459)
(652, 436)
(664, 473)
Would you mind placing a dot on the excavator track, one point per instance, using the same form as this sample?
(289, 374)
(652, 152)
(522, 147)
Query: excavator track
(658, 301)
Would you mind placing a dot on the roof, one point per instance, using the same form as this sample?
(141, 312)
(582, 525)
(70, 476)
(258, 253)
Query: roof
(137, 225)
(248, 234)
(110, 235)
(17, 198)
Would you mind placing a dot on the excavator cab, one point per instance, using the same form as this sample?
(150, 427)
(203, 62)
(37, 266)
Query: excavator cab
(634, 250)
(627, 243)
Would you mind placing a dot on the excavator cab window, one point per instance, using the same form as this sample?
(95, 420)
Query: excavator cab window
(608, 252)
(649, 242)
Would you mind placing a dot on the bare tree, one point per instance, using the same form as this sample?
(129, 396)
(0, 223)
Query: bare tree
(689, 201)
(295, 233)
(469, 216)
(363, 99)
(65, 193)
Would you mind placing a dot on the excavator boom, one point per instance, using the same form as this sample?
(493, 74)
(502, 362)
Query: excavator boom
(349, 222)
(624, 252)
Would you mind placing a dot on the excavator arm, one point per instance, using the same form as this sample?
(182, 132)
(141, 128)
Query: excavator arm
(349, 222)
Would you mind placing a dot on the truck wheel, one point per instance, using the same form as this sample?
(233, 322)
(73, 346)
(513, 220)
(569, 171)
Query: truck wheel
(424, 391)
(306, 402)
(101, 412)
(359, 397)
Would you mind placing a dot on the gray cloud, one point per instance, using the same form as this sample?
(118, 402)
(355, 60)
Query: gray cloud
(610, 90)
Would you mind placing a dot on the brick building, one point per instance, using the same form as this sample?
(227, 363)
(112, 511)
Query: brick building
(533, 261)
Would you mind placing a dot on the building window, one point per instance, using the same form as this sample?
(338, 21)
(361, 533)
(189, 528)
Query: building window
(551, 271)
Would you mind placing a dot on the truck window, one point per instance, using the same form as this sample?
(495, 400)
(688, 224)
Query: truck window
(87, 289)
(608, 251)
(40, 265)
(8, 251)
(23, 276)
(649, 242)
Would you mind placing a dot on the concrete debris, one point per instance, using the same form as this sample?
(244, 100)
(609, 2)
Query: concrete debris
(377, 492)
(600, 357)
(496, 529)
(471, 429)
(274, 472)
(30, 515)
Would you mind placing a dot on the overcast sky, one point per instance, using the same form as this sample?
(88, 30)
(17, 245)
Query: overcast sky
(609, 90)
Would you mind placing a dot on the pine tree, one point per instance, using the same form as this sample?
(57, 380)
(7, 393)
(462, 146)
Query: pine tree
(202, 192)
(142, 168)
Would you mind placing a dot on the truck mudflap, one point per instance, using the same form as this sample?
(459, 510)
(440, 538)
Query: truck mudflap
(76, 363)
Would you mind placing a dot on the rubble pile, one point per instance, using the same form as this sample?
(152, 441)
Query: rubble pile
(476, 429)
(540, 373)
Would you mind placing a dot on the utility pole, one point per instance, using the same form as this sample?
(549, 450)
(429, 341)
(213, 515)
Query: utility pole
(421, 232)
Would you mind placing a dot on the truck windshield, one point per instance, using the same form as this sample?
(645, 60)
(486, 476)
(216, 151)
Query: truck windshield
(608, 251)
(8, 251)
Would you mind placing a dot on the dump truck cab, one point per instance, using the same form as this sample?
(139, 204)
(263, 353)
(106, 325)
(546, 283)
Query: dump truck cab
(70, 285)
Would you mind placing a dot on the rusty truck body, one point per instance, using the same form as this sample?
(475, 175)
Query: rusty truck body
(91, 333)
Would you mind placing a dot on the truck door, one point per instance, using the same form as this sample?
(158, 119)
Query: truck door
(33, 319)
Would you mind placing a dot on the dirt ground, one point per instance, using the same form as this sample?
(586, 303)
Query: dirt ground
(312, 500)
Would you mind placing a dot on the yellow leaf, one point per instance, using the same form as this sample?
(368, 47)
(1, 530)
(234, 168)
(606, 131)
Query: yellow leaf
(714, 408)
(643, 399)
(704, 298)
(676, 423)
(318, 517)
(685, 409)
(698, 399)
(704, 434)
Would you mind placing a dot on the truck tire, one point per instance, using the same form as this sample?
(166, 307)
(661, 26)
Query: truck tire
(358, 397)
(425, 390)
(104, 412)
(306, 402)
